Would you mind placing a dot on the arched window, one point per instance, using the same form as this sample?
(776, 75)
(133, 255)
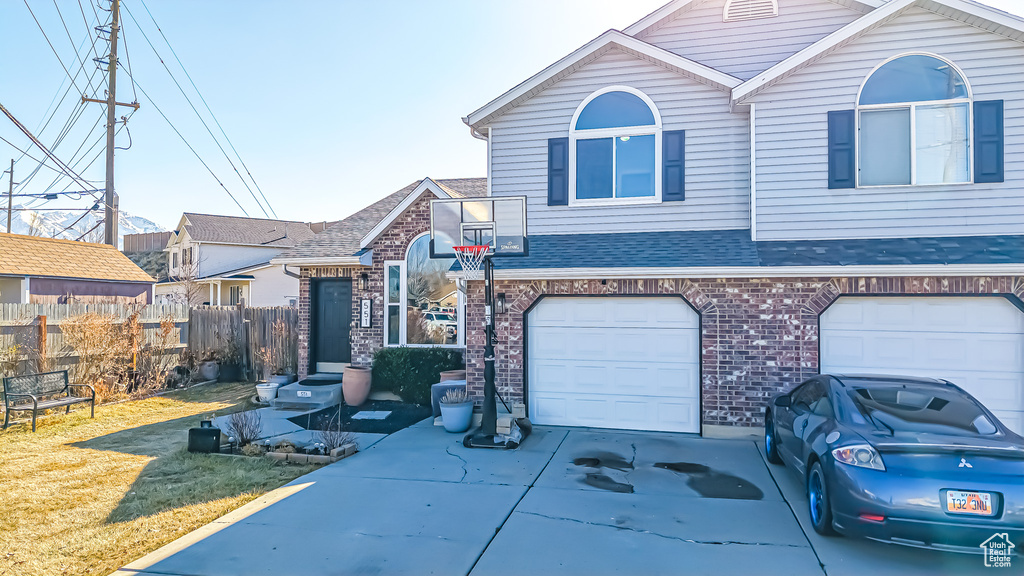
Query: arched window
(915, 118)
(615, 148)
(422, 306)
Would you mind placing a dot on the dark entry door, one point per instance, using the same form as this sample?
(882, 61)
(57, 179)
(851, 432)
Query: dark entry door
(332, 321)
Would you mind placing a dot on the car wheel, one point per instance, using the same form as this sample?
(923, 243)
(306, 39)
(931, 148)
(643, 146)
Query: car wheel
(818, 501)
(771, 448)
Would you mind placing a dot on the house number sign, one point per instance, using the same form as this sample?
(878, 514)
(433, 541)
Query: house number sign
(365, 309)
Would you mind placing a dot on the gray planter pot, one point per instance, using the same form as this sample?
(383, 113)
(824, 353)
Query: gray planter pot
(457, 417)
(208, 371)
(281, 379)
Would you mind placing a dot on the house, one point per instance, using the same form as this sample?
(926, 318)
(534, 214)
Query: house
(731, 196)
(225, 260)
(35, 270)
(384, 244)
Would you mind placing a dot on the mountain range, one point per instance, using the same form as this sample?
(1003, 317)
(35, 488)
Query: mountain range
(52, 224)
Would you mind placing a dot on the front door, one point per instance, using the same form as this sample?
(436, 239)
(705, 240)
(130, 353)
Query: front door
(332, 319)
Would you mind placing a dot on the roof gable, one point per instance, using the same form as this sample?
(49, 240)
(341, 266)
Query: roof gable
(49, 257)
(342, 241)
(966, 11)
(676, 8)
(588, 53)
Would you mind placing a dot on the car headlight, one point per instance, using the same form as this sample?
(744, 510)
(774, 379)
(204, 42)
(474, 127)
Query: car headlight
(862, 455)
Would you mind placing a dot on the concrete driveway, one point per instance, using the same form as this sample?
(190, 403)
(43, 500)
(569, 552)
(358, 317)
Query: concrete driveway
(569, 501)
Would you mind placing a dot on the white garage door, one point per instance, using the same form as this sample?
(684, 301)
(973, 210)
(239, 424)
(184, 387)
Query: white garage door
(629, 363)
(976, 343)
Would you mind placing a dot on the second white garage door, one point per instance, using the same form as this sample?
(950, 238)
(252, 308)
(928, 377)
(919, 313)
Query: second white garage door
(628, 363)
(976, 343)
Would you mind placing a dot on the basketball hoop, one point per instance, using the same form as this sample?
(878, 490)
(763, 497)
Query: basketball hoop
(471, 258)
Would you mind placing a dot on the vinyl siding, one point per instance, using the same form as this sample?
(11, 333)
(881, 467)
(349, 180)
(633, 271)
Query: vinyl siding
(717, 152)
(746, 48)
(793, 199)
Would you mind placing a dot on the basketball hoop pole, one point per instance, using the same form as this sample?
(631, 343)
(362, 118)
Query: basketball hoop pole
(487, 436)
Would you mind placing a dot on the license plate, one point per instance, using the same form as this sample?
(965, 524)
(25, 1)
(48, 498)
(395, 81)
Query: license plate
(959, 502)
(305, 393)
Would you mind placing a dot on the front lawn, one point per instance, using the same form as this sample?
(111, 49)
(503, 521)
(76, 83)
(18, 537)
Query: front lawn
(83, 496)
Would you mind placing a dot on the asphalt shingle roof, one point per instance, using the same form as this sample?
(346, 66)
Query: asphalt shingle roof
(343, 238)
(35, 256)
(734, 248)
(250, 231)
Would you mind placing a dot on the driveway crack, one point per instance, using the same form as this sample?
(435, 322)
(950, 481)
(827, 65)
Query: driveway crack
(665, 536)
(465, 472)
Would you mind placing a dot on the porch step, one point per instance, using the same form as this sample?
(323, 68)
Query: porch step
(316, 392)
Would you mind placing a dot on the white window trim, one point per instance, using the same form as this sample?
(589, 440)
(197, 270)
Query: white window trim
(912, 106)
(655, 130)
(403, 303)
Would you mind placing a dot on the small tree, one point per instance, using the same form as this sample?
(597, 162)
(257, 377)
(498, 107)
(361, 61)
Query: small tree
(190, 289)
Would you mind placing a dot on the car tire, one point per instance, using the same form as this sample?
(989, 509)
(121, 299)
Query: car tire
(819, 503)
(771, 442)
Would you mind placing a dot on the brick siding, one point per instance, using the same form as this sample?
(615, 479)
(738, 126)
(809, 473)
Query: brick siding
(758, 336)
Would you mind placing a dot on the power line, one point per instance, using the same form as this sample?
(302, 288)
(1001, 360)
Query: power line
(206, 105)
(45, 150)
(40, 26)
(205, 165)
(81, 61)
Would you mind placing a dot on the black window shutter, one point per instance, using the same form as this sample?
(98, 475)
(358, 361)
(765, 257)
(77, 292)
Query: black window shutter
(988, 141)
(673, 156)
(841, 157)
(558, 172)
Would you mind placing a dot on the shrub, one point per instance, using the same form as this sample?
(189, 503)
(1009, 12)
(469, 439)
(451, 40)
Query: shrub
(245, 426)
(409, 372)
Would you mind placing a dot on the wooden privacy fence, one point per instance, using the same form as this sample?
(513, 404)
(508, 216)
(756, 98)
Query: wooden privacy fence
(34, 330)
(240, 333)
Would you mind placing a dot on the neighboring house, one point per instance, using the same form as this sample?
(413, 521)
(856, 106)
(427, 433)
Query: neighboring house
(36, 270)
(731, 196)
(384, 244)
(225, 260)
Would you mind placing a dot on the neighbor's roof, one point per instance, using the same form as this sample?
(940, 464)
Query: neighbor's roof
(248, 231)
(344, 238)
(35, 256)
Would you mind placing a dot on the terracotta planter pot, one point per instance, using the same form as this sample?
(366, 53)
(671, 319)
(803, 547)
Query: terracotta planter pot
(355, 385)
(453, 375)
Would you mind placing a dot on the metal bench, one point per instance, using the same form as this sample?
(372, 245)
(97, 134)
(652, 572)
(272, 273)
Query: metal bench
(37, 392)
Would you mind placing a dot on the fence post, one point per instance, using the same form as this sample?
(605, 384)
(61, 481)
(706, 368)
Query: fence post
(244, 335)
(41, 344)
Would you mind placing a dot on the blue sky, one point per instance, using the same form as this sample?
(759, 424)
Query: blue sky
(331, 104)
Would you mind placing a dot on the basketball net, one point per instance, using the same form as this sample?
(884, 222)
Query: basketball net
(471, 258)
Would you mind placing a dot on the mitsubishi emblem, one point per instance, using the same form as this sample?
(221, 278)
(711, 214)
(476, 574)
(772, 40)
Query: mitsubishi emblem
(964, 463)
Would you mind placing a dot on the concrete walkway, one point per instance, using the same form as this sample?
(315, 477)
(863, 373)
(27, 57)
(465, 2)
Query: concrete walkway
(569, 501)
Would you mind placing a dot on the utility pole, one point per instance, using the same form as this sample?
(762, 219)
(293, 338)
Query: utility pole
(10, 197)
(110, 212)
(110, 199)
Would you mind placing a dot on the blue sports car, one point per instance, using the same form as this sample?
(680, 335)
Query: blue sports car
(911, 461)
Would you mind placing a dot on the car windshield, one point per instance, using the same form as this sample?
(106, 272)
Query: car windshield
(920, 409)
(442, 317)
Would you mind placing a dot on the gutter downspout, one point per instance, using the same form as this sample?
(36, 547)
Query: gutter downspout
(287, 273)
(753, 174)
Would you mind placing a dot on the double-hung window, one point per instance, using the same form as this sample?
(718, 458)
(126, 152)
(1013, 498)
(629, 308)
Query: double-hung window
(914, 116)
(615, 148)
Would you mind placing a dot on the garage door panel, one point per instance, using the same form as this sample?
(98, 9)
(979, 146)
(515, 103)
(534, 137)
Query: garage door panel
(614, 362)
(611, 343)
(977, 343)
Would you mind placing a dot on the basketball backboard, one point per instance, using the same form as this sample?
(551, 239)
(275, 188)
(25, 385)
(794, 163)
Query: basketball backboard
(497, 222)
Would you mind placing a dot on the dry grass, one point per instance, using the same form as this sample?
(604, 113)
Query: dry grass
(84, 496)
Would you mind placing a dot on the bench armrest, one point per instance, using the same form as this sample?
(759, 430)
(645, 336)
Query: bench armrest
(7, 398)
(91, 389)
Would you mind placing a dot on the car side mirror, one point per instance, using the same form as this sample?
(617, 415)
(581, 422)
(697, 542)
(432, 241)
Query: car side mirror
(783, 401)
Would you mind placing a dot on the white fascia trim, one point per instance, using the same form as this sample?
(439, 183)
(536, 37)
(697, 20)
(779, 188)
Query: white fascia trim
(320, 261)
(719, 79)
(753, 172)
(425, 185)
(758, 272)
(803, 57)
